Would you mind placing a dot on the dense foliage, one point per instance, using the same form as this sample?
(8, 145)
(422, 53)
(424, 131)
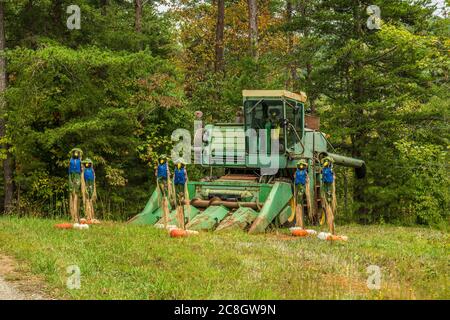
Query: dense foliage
(118, 91)
(108, 104)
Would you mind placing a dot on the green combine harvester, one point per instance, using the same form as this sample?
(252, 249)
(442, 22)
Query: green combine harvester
(251, 194)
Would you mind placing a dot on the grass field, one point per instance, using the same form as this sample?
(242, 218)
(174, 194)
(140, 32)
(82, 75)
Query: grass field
(120, 261)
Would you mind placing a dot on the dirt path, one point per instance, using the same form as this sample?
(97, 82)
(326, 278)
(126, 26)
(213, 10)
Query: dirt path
(8, 292)
(15, 285)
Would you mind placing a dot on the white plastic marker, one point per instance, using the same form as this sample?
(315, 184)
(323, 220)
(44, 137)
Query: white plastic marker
(323, 235)
(80, 226)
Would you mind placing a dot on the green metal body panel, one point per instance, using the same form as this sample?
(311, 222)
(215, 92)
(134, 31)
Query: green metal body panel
(284, 215)
(149, 214)
(279, 197)
(192, 213)
(240, 219)
(225, 146)
(208, 219)
(313, 141)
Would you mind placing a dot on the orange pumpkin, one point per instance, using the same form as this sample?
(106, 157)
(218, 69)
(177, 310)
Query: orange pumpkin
(178, 233)
(64, 226)
(300, 233)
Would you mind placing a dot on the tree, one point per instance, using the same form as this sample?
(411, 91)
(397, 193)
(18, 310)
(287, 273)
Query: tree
(7, 163)
(138, 15)
(104, 6)
(219, 46)
(253, 27)
(291, 68)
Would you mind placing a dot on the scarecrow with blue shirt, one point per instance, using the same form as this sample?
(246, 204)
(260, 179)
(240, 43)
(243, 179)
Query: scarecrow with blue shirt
(327, 177)
(328, 191)
(179, 180)
(75, 170)
(88, 188)
(300, 188)
(162, 174)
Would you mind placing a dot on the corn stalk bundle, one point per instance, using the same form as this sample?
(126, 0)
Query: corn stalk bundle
(328, 212)
(330, 217)
(299, 215)
(293, 205)
(165, 206)
(83, 192)
(180, 216)
(333, 199)
(88, 202)
(308, 201)
(170, 187)
(73, 203)
(187, 201)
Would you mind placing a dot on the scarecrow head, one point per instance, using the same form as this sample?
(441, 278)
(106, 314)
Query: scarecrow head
(180, 164)
(76, 153)
(302, 164)
(88, 163)
(327, 162)
(162, 159)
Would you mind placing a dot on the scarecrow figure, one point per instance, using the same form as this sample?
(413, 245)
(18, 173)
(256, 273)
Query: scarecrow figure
(75, 170)
(301, 191)
(162, 174)
(327, 177)
(329, 192)
(300, 181)
(88, 189)
(179, 181)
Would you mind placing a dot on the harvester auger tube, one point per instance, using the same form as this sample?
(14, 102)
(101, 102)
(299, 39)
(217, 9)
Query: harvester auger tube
(359, 165)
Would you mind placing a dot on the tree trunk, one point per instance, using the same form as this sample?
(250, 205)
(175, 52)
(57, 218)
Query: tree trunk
(103, 6)
(253, 27)
(138, 15)
(57, 12)
(7, 164)
(219, 60)
(292, 70)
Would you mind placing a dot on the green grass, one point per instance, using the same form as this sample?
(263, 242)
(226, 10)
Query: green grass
(120, 261)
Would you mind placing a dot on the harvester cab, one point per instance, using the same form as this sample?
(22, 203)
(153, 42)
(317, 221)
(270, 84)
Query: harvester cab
(258, 158)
